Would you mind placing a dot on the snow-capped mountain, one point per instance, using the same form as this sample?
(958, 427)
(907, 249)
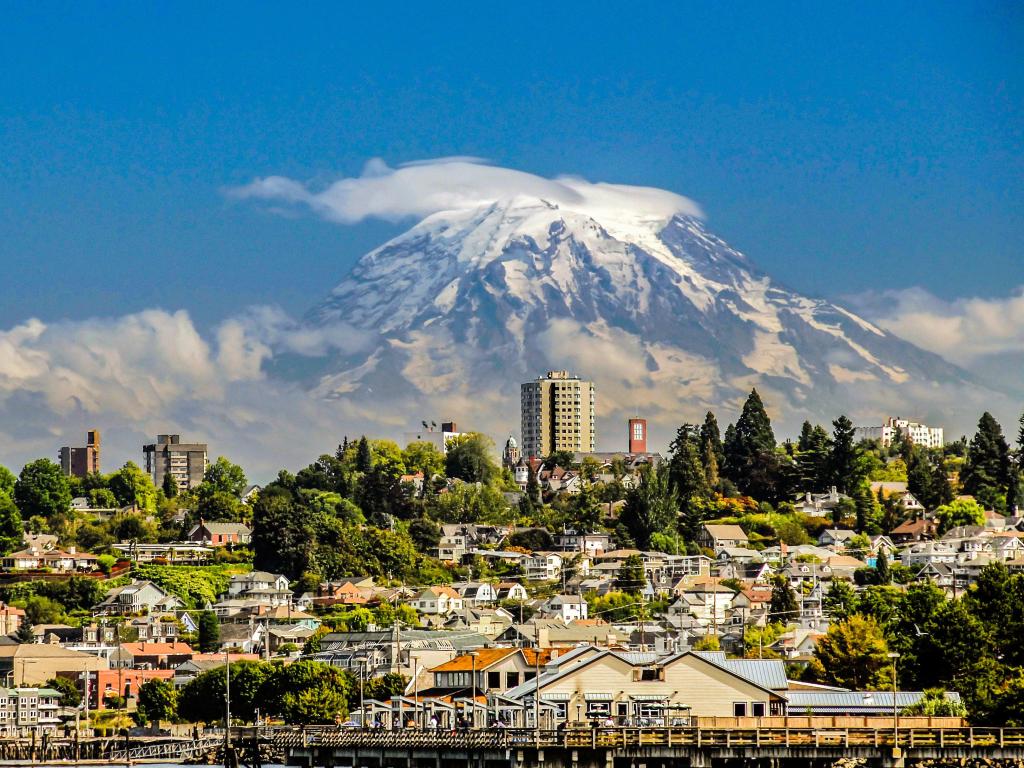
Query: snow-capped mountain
(663, 315)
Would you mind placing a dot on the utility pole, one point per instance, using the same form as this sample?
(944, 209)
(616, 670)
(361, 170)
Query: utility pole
(227, 707)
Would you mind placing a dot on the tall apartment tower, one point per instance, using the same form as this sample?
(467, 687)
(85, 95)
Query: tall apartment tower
(637, 436)
(79, 462)
(185, 462)
(558, 415)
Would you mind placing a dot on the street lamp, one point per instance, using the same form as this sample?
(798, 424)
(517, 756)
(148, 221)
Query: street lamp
(362, 705)
(895, 711)
(472, 716)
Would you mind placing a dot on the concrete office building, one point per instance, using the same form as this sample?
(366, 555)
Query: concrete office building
(185, 462)
(558, 414)
(79, 462)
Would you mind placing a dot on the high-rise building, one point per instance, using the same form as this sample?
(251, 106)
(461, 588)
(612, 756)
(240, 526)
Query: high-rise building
(79, 462)
(637, 436)
(919, 434)
(185, 462)
(558, 415)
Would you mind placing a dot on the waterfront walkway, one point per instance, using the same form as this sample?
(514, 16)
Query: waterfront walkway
(604, 747)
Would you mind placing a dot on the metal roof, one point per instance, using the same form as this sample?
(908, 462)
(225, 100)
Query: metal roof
(857, 702)
(767, 673)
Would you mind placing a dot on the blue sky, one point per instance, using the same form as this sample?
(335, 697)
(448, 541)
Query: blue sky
(844, 149)
(872, 152)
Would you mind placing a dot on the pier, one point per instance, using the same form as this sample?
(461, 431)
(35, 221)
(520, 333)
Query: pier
(697, 747)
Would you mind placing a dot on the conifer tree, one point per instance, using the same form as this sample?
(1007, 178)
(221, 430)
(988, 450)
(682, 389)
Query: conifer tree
(364, 459)
(846, 465)
(986, 473)
(711, 438)
(686, 475)
(750, 460)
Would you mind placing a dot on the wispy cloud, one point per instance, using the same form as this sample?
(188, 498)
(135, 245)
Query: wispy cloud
(963, 331)
(426, 187)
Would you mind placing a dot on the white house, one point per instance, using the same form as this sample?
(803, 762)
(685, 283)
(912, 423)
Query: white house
(437, 601)
(542, 566)
(568, 607)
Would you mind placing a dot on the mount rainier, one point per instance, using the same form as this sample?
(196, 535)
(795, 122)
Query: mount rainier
(663, 315)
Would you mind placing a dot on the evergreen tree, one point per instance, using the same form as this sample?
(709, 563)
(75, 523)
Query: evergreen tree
(986, 472)
(811, 459)
(533, 490)
(882, 572)
(845, 462)
(784, 606)
(867, 510)
(364, 459)
(209, 632)
(920, 478)
(685, 471)
(24, 633)
(711, 438)
(750, 460)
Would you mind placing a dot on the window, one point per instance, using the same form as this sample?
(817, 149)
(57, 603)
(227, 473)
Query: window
(494, 679)
(599, 709)
(757, 709)
(739, 709)
(650, 674)
(511, 679)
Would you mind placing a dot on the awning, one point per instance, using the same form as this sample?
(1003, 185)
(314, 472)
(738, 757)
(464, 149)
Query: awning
(648, 697)
(592, 696)
(555, 697)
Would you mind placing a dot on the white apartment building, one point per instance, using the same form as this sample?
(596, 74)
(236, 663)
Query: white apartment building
(920, 434)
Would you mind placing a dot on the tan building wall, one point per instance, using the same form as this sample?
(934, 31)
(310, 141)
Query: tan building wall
(33, 664)
(558, 415)
(690, 685)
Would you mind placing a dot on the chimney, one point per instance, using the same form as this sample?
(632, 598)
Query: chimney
(543, 639)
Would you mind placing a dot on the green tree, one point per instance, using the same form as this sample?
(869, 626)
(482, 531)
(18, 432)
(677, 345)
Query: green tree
(986, 470)
(202, 698)
(847, 469)
(7, 481)
(421, 456)
(158, 700)
(130, 485)
(650, 507)
(853, 654)
(42, 489)
(686, 476)
(920, 478)
(812, 458)
(631, 577)
(784, 606)
(882, 569)
(470, 458)
(959, 512)
(935, 704)
(224, 477)
(712, 450)
(24, 632)
(12, 533)
(364, 459)
(749, 451)
(169, 486)
(282, 532)
(307, 693)
(70, 695)
(209, 632)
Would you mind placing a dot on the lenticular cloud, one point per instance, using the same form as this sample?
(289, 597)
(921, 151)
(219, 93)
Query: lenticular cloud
(452, 184)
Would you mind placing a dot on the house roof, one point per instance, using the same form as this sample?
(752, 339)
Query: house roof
(484, 658)
(156, 649)
(723, 531)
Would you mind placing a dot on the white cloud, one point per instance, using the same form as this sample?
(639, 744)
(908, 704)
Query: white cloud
(963, 331)
(452, 184)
